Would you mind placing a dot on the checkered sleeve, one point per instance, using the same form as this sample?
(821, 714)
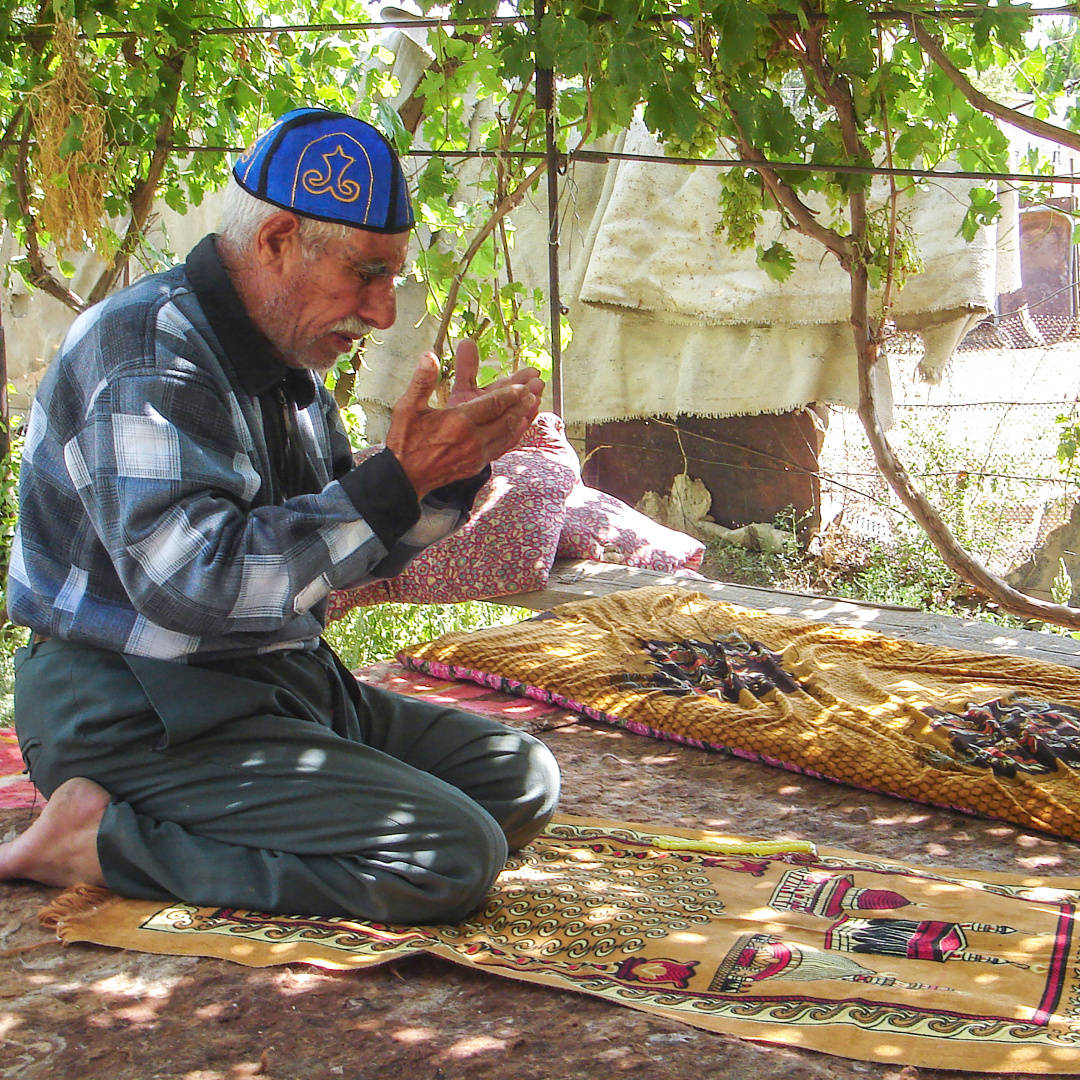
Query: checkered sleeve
(151, 520)
(169, 478)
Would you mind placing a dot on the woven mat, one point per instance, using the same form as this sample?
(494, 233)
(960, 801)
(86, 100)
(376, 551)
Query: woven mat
(990, 735)
(855, 956)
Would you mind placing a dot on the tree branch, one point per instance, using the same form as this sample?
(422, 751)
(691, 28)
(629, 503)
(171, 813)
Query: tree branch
(867, 351)
(894, 195)
(787, 199)
(145, 188)
(40, 275)
(1033, 126)
(511, 201)
(411, 111)
(37, 45)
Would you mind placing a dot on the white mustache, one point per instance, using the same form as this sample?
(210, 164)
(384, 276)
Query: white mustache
(353, 326)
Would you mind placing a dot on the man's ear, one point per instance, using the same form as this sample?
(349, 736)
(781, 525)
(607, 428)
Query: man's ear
(277, 241)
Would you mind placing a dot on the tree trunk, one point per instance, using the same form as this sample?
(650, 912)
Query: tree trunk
(928, 519)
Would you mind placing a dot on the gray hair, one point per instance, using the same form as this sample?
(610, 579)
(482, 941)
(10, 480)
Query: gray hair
(242, 214)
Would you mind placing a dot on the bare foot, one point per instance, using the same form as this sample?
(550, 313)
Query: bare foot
(60, 847)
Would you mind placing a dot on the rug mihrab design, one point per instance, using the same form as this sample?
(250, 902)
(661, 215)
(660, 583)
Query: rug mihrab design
(828, 950)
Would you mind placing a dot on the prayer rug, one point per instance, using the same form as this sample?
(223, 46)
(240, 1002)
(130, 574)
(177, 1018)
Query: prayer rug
(852, 955)
(997, 736)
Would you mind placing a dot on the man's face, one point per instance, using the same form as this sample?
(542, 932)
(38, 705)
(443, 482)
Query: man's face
(327, 300)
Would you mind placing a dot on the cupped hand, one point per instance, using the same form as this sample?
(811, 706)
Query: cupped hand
(467, 367)
(437, 446)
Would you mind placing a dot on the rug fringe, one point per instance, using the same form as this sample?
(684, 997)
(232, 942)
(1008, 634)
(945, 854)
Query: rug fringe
(78, 900)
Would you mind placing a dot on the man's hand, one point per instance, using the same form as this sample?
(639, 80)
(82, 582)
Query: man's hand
(466, 367)
(438, 446)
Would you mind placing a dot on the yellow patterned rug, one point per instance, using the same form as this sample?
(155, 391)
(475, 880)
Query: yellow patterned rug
(997, 736)
(829, 950)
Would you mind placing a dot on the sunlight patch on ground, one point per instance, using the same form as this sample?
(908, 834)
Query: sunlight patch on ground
(473, 1045)
(413, 1035)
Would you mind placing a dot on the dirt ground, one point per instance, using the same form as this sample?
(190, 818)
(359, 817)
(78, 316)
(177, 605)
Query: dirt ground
(89, 1012)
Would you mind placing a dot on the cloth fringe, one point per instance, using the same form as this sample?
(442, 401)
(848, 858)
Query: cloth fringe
(75, 902)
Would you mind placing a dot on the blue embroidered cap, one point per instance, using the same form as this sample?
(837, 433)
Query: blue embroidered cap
(329, 166)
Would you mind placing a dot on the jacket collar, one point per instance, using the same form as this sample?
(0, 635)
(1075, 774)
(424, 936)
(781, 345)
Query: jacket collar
(252, 356)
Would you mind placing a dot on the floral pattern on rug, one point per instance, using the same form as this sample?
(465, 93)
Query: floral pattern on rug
(1013, 734)
(723, 668)
(852, 955)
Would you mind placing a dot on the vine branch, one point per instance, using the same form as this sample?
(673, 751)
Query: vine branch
(40, 275)
(867, 351)
(511, 202)
(145, 188)
(804, 218)
(934, 49)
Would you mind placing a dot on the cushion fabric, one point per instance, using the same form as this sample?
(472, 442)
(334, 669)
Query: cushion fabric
(507, 546)
(533, 510)
(598, 526)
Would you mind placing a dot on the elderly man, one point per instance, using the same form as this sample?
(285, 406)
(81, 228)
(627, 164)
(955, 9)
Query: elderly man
(188, 500)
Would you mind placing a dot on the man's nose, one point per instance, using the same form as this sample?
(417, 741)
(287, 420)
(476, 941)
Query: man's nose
(378, 305)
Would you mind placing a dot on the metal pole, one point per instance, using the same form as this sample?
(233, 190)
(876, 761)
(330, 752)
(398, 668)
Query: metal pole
(545, 100)
(1074, 252)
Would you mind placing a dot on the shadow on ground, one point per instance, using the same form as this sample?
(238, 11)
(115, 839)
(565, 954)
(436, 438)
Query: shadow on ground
(89, 1013)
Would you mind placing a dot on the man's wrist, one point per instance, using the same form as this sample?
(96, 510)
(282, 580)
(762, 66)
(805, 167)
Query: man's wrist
(383, 495)
(460, 493)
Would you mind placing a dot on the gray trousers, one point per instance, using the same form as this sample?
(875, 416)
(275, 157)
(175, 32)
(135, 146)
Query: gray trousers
(280, 784)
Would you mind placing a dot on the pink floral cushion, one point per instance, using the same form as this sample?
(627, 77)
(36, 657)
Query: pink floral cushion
(547, 436)
(600, 527)
(507, 546)
(342, 601)
(533, 510)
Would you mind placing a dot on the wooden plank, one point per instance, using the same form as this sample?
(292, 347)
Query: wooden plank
(578, 580)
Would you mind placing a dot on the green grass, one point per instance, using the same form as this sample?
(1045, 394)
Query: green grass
(369, 634)
(11, 637)
(908, 572)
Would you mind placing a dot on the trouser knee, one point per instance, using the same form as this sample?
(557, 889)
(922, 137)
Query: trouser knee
(540, 783)
(447, 885)
(480, 864)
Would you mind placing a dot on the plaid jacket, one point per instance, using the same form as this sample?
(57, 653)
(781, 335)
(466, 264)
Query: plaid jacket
(185, 496)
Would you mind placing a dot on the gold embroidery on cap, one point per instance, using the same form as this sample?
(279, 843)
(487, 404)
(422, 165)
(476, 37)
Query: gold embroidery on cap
(332, 180)
(245, 161)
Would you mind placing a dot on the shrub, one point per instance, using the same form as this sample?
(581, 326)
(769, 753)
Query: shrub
(369, 634)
